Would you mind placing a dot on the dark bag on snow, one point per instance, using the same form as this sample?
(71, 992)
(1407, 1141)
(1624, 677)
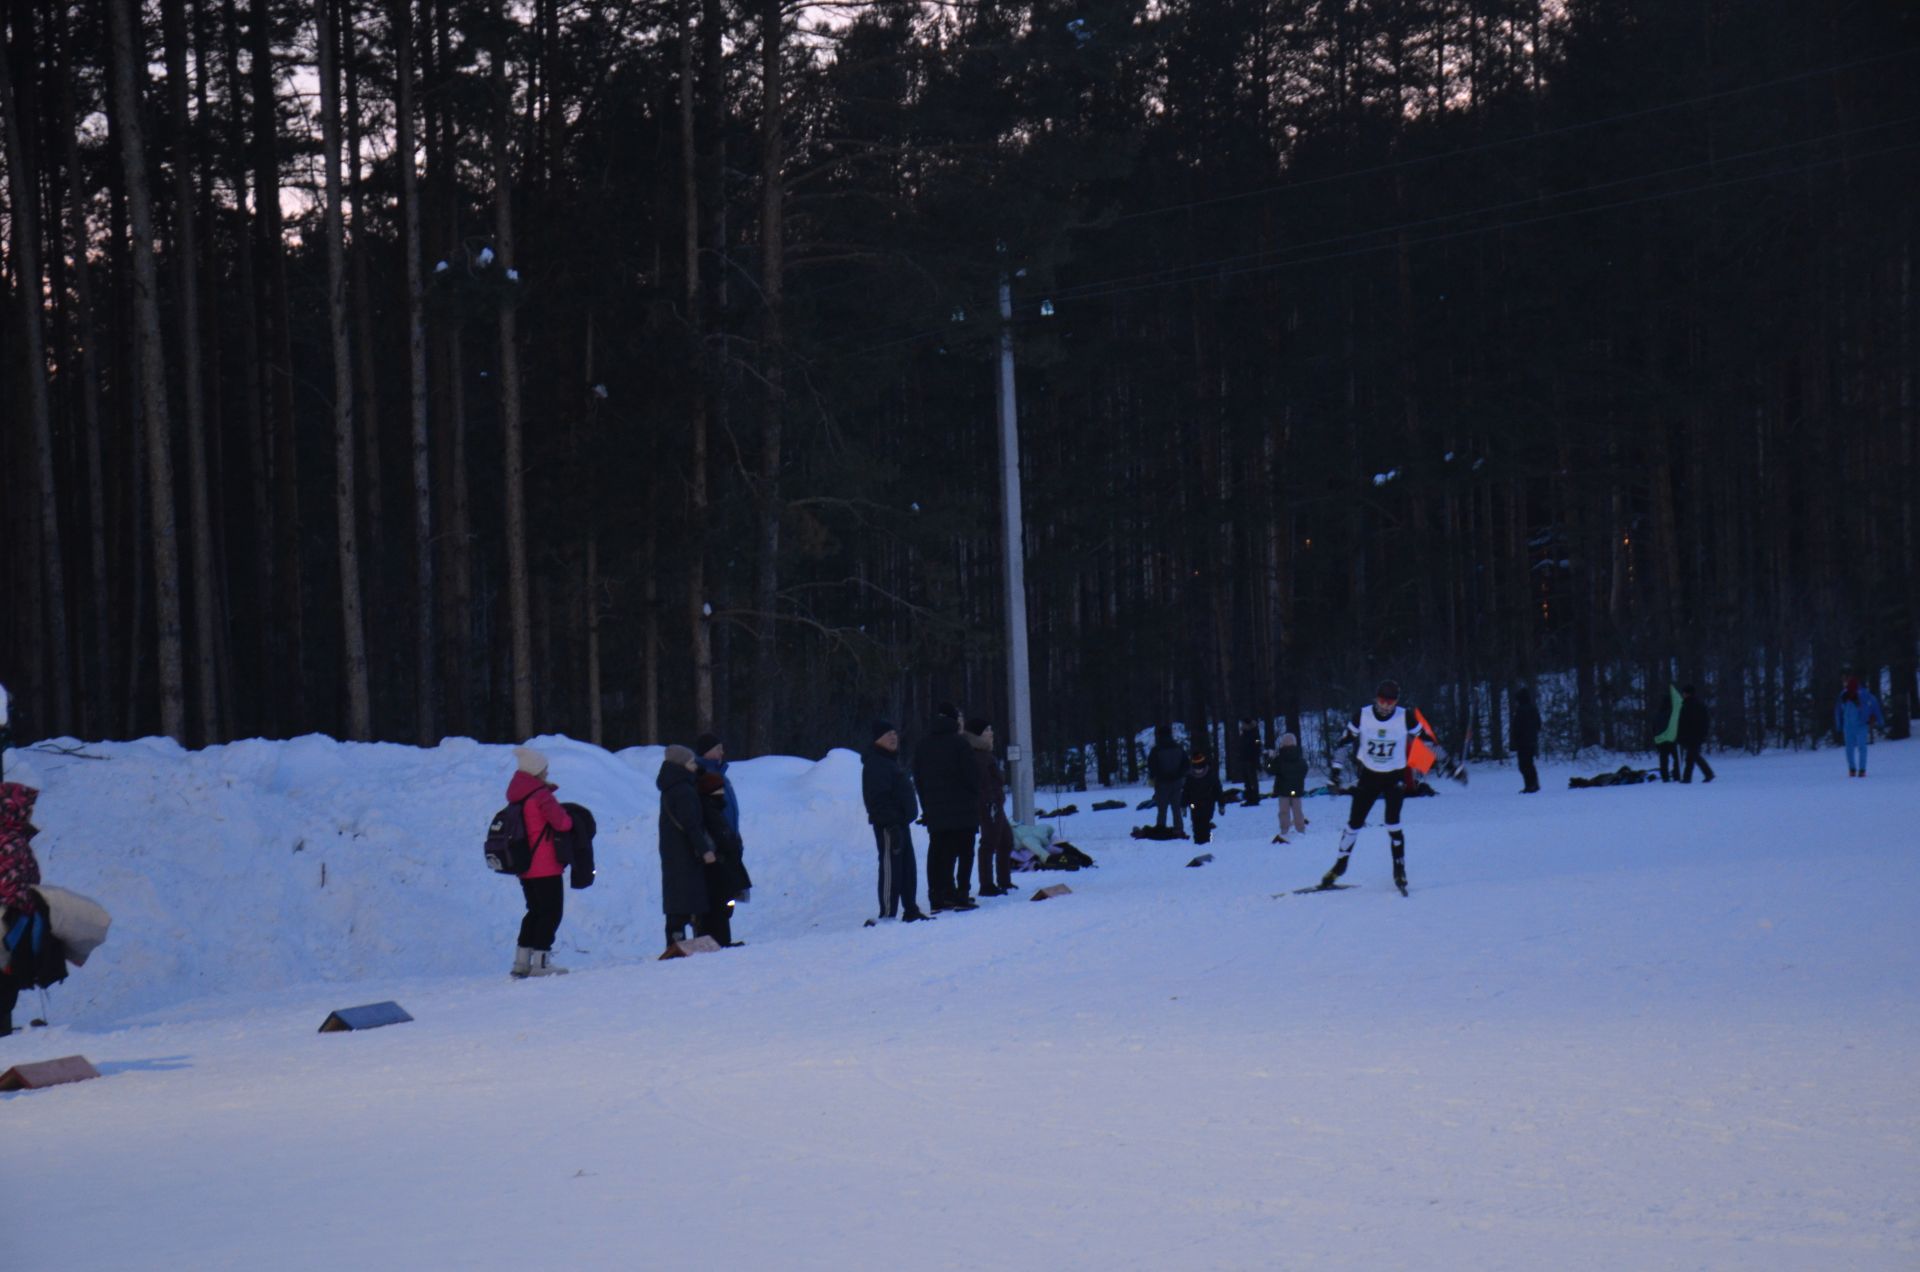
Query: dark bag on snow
(507, 851)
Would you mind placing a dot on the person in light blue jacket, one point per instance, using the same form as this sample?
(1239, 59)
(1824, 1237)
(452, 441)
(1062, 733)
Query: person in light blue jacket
(1854, 716)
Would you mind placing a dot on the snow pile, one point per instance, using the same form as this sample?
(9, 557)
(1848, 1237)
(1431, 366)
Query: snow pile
(1647, 1027)
(262, 865)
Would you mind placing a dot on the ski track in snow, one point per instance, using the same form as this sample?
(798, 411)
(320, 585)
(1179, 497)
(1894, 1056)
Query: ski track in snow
(1641, 1028)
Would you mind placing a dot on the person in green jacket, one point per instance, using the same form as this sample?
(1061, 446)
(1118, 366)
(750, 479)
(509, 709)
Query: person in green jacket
(1667, 740)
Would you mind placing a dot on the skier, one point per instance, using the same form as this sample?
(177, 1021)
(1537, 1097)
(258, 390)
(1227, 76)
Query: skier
(1854, 716)
(1381, 735)
(1201, 794)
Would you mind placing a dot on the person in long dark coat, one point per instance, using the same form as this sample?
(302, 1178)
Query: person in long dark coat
(996, 832)
(1249, 755)
(1289, 768)
(684, 847)
(887, 792)
(1523, 727)
(1693, 735)
(727, 879)
(949, 786)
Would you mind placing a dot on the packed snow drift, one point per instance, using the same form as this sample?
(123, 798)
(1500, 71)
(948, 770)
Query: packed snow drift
(1657, 1026)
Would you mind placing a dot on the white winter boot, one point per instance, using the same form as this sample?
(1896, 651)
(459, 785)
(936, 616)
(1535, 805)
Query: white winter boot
(522, 962)
(543, 965)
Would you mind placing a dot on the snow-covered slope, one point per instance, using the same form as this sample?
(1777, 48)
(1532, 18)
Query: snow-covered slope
(1653, 1027)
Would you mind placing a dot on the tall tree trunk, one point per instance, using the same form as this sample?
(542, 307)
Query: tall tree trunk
(425, 724)
(698, 630)
(353, 640)
(187, 281)
(766, 660)
(100, 677)
(519, 617)
(286, 639)
(129, 59)
(366, 402)
(23, 198)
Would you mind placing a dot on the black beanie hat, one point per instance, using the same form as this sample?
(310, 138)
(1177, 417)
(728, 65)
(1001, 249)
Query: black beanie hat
(705, 742)
(948, 710)
(881, 728)
(1389, 689)
(977, 725)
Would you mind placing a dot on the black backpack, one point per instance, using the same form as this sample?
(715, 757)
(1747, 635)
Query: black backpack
(507, 851)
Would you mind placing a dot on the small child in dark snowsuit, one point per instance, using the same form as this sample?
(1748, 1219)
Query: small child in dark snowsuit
(1202, 795)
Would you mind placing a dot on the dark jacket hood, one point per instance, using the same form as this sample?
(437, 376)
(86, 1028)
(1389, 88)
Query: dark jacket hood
(670, 775)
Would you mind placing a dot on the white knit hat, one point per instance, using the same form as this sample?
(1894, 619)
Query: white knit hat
(530, 761)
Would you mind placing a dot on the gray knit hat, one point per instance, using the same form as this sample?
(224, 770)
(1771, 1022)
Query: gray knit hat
(677, 754)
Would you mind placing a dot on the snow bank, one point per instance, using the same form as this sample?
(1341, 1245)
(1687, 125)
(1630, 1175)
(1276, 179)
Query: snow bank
(256, 866)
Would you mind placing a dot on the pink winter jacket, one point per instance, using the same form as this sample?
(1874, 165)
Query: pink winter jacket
(542, 810)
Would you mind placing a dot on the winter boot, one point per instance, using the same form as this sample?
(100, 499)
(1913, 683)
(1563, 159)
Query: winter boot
(1399, 842)
(543, 965)
(522, 963)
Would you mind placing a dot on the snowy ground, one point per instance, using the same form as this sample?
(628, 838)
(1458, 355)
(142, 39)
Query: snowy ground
(1645, 1028)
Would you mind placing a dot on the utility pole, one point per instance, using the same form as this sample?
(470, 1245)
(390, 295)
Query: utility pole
(1020, 749)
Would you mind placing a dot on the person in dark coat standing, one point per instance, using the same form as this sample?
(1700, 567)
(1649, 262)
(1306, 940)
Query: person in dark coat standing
(1523, 727)
(891, 810)
(996, 832)
(1167, 769)
(541, 884)
(949, 786)
(1250, 761)
(19, 872)
(727, 880)
(1693, 734)
(1201, 793)
(684, 849)
(1289, 768)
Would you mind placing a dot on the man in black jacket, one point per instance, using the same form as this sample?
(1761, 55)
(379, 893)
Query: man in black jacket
(1523, 726)
(949, 786)
(1167, 770)
(891, 808)
(1693, 734)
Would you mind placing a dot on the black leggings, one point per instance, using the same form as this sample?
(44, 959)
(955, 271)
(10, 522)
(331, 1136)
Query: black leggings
(1373, 786)
(546, 900)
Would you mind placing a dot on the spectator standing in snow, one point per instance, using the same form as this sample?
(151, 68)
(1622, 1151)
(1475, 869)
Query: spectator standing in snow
(1382, 737)
(1202, 795)
(1523, 726)
(996, 832)
(1665, 722)
(727, 879)
(726, 874)
(1692, 734)
(1167, 770)
(541, 884)
(949, 786)
(19, 872)
(1854, 716)
(1289, 768)
(891, 810)
(1250, 761)
(684, 849)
